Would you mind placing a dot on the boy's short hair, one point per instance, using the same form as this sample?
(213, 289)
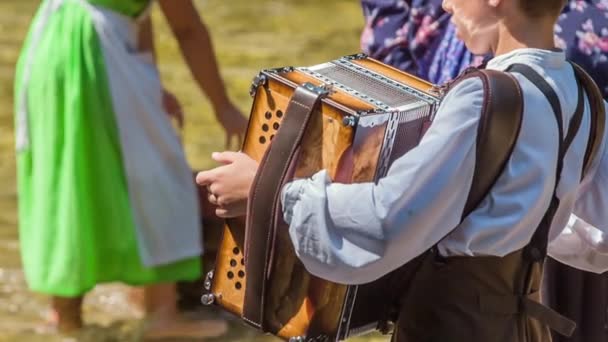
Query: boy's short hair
(540, 8)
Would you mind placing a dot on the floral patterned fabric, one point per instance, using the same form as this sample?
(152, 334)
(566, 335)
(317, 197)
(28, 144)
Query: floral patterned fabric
(417, 36)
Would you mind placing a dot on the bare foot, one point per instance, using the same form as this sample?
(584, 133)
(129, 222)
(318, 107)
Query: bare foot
(51, 317)
(181, 327)
(50, 322)
(65, 314)
(165, 321)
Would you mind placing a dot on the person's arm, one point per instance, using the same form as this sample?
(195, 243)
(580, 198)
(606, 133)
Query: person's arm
(356, 233)
(197, 49)
(584, 242)
(145, 45)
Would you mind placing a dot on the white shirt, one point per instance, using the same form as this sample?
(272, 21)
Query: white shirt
(356, 233)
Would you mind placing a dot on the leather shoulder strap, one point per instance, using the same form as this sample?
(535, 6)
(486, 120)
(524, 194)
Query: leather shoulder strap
(598, 116)
(499, 127)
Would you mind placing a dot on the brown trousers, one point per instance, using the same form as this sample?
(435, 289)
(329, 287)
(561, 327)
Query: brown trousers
(480, 299)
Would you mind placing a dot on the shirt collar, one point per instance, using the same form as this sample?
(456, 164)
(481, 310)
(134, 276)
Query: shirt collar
(546, 58)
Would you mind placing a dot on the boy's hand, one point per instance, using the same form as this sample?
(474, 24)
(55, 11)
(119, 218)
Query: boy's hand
(229, 184)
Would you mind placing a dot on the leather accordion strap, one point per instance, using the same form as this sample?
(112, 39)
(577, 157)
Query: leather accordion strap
(266, 188)
(499, 127)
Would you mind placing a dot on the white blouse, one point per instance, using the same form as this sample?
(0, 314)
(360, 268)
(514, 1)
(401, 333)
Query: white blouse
(355, 233)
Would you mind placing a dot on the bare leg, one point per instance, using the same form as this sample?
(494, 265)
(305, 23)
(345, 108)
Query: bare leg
(165, 320)
(66, 313)
(137, 298)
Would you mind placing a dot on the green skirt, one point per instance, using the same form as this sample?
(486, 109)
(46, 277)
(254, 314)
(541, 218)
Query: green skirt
(76, 220)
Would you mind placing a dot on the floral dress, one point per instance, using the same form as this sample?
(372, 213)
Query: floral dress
(417, 36)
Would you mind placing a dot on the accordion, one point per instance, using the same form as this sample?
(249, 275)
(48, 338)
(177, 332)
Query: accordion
(352, 117)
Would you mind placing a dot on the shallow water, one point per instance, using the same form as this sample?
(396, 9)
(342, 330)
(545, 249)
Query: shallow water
(248, 36)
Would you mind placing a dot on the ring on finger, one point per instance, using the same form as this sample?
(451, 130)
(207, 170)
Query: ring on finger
(212, 198)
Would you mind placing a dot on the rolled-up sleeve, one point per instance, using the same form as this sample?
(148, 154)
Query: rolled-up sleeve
(356, 233)
(584, 242)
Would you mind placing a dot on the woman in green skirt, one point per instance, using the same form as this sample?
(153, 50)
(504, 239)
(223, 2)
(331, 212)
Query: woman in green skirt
(105, 193)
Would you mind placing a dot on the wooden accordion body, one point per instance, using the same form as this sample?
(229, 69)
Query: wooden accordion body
(372, 115)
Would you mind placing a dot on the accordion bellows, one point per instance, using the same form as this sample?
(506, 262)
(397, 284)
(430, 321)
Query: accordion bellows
(372, 115)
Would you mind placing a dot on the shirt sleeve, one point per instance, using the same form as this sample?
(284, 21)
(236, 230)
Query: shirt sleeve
(356, 233)
(584, 242)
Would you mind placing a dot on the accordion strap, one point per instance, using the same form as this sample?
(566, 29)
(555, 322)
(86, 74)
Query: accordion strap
(266, 188)
(499, 127)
